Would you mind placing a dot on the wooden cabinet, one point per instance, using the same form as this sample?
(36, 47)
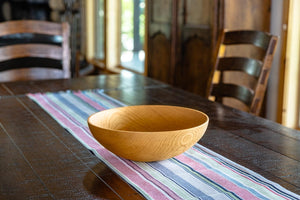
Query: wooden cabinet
(182, 35)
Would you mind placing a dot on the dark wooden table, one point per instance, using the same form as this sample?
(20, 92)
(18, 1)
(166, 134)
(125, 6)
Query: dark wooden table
(41, 160)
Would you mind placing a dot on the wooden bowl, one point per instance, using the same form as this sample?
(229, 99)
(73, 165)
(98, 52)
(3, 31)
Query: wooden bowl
(148, 132)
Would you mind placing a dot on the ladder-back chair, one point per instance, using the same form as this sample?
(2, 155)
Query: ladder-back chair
(253, 64)
(35, 44)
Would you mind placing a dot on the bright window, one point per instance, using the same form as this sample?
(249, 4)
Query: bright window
(118, 33)
(133, 34)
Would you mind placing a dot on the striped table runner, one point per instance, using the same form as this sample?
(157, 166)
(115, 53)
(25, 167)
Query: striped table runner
(199, 173)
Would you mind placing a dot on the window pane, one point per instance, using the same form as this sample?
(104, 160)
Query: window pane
(132, 34)
(100, 52)
(127, 25)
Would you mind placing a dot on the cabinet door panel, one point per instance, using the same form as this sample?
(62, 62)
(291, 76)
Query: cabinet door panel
(160, 57)
(197, 42)
(159, 40)
(193, 73)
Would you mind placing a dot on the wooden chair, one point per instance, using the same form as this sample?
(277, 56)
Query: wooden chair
(242, 69)
(35, 44)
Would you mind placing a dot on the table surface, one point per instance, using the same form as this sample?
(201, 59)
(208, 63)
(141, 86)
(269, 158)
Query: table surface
(49, 163)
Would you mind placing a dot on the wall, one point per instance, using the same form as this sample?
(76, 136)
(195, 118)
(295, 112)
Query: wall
(277, 28)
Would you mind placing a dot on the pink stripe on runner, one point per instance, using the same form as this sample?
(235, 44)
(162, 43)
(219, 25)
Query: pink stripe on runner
(132, 175)
(89, 101)
(153, 180)
(243, 193)
(82, 135)
(276, 193)
(67, 115)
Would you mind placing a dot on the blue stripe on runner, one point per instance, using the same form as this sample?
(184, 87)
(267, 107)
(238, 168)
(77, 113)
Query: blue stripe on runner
(86, 104)
(147, 176)
(70, 105)
(99, 95)
(66, 109)
(205, 179)
(96, 98)
(227, 177)
(182, 183)
(251, 176)
(68, 115)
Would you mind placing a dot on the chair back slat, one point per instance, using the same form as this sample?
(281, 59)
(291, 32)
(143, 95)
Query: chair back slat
(241, 93)
(256, 38)
(247, 65)
(25, 38)
(31, 50)
(31, 26)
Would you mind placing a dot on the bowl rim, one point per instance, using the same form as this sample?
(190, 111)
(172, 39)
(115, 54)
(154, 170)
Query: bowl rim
(125, 131)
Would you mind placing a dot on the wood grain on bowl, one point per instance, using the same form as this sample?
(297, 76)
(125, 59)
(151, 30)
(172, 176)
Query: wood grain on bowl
(148, 132)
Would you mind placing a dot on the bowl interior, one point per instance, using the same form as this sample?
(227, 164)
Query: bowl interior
(148, 118)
